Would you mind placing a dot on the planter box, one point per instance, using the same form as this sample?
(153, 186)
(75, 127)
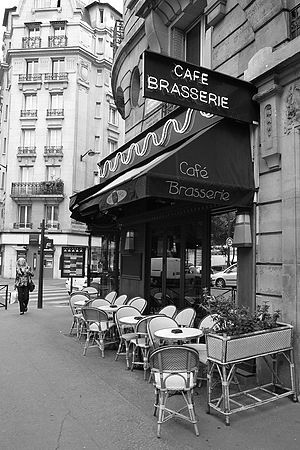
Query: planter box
(230, 349)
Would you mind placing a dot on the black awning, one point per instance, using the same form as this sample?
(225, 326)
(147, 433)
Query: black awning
(213, 167)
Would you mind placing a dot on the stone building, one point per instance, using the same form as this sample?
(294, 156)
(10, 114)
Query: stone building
(250, 40)
(58, 120)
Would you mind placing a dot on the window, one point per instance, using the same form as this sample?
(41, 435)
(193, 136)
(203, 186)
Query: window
(97, 143)
(32, 67)
(112, 145)
(44, 4)
(51, 216)
(59, 29)
(99, 78)
(24, 216)
(100, 46)
(135, 86)
(58, 65)
(28, 138)
(4, 146)
(26, 174)
(101, 15)
(6, 113)
(56, 101)
(29, 102)
(33, 31)
(113, 115)
(195, 43)
(53, 173)
(98, 109)
(55, 137)
(2, 180)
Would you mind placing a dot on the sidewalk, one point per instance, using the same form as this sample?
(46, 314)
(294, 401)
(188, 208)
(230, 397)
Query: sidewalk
(53, 398)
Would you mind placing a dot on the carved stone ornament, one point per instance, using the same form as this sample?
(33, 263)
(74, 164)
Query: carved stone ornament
(292, 113)
(268, 120)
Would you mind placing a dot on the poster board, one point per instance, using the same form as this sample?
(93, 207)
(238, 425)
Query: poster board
(73, 262)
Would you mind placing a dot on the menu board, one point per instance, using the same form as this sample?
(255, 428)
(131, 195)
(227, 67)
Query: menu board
(72, 262)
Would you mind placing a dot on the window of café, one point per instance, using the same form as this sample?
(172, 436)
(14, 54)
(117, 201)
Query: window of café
(176, 265)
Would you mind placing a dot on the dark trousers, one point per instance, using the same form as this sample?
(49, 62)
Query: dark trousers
(23, 297)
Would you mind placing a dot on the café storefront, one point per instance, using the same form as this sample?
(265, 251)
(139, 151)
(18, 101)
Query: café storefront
(158, 191)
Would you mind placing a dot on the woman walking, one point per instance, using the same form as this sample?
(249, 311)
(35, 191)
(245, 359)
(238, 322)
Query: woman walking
(22, 281)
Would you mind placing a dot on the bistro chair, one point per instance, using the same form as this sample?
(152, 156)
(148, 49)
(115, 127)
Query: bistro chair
(174, 369)
(206, 325)
(92, 291)
(125, 331)
(111, 296)
(186, 317)
(139, 303)
(98, 327)
(76, 314)
(98, 302)
(156, 323)
(141, 345)
(121, 300)
(169, 311)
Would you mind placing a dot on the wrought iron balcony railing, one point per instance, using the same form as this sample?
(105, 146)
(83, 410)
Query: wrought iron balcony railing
(57, 41)
(22, 189)
(30, 77)
(55, 112)
(31, 42)
(52, 225)
(18, 225)
(295, 22)
(26, 151)
(52, 150)
(61, 76)
(28, 112)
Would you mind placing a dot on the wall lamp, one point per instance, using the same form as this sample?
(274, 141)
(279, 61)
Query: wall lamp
(129, 241)
(89, 153)
(242, 230)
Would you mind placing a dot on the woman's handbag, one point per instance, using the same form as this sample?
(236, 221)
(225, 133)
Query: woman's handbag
(13, 297)
(31, 286)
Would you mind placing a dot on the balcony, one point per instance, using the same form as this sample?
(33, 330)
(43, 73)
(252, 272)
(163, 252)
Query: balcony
(18, 225)
(26, 152)
(28, 113)
(32, 77)
(37, 190)
(53, 152)
(295, 22)
(52, 225)
(61, 76)
(55, 112)
(31, 42)
(57, 41)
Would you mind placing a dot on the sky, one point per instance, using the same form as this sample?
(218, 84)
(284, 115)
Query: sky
(118, 4)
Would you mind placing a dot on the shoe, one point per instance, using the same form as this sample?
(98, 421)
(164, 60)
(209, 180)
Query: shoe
(21, 313)
(25, 310)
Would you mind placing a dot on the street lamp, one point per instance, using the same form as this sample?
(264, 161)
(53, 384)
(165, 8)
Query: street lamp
(89, 153)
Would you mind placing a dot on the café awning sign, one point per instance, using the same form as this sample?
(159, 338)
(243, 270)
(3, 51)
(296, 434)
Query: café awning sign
(178, 82)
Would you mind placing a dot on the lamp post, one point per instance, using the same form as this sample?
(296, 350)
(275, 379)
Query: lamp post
(41, 272)
(89, 153)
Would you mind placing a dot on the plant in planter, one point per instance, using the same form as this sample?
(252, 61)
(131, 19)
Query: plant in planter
(240, 334)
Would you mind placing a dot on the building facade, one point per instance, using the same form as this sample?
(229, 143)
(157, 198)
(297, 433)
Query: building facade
(253, 41)
(58, 120)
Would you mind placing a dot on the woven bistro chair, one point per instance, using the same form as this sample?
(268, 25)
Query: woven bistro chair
(139, 303)
(169, 310)
(98, 302)
(121, 300)
(111, 296)
(141, 345)
(186, 317)
(174, 369)
(125, 332)
(92, 291)
(76, 312)
(156, 323)
(98, 327)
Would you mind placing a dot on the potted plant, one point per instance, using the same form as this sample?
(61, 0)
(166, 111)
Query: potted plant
(240, 334)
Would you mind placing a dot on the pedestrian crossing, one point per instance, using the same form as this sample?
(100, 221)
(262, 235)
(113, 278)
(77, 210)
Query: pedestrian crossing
(55, 296)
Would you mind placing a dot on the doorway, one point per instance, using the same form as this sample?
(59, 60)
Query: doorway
(179, 263)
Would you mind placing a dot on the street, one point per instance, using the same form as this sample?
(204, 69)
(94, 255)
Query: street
(54, 398)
